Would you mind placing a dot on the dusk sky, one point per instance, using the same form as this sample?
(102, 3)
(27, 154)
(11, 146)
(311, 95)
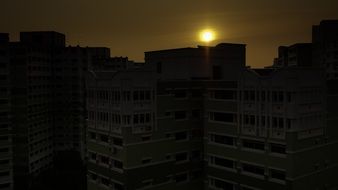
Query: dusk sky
(131, 27)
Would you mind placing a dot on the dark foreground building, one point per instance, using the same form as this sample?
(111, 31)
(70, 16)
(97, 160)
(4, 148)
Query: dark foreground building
(42, 107)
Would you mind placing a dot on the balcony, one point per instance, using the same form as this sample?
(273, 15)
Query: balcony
(140, 129)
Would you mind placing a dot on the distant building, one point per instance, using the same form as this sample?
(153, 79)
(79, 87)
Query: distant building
(325, 55)
(299, 54)
(325, 46)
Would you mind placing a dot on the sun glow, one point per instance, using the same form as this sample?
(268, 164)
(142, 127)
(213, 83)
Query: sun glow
(207, 35)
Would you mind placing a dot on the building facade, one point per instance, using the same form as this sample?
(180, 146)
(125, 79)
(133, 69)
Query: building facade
(266, 140)
(217, 124)
(43, 86)
(6, 146)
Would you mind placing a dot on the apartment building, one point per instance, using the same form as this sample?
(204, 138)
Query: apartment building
(325, 45)
(121, 128)
(216, 123)
(325, 55)
(166, 153)
(274, 136)
(299, 54)
(6, 147)
(43, 104)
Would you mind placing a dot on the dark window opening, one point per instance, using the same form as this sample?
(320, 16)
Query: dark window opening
(181, 136)
(180, 114)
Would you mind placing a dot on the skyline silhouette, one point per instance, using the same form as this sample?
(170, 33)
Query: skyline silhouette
(168, 95)
(130, 28)
(185, 118)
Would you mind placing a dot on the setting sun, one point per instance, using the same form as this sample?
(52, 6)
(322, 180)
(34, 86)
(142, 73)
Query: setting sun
(207, 36)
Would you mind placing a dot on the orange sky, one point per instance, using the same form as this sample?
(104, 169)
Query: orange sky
(131, 27)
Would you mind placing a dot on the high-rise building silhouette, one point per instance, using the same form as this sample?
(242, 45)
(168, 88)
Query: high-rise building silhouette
(43, 87)
(6, 138)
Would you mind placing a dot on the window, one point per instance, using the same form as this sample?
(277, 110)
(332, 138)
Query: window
(263, 121)
(277, 174)
(180, 93)
(2, 174)
(222, 117)
(146, 138)
(126, 95)
(147, 183)
(195, 155)
(263, 96)
(3, 126)
(136, 120)
(118, 164)
(257, 170)
(196, 113)
(136, 95)
(222, 162)
(181, 157)
(180, 115)
(249, 119)
(277, 148)
(217, 72)
(126, 119)
(223, 94)
(4, 150)
(277, 122)
(142, 118)
(280, 96)
(252, 144)
(93, 176)
(196, 133)
(147, 119)
(3, 162)
(117, 141)
(181, 177)
(196, 93)
(274, 96)
(219, 184)
(181, 136)
(168, 157)
(147, 95)
(168, 135)
(105, 181)
(92, 156)
(5, 185)
(288, 96)
(252, 95)
(141, 95)
(146, 161)
(104, 138)
(248, 188)
(288, 123)
(159, 67)
(4, 138)
(105, 160)
(196, 174)
(220, 139)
